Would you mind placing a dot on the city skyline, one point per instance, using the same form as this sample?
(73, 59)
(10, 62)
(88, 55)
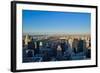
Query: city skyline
(51, 22)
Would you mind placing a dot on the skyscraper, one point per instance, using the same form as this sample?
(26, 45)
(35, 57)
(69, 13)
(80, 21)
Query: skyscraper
(81, 46)
(75, 45)
(59, 50)
(70, 41)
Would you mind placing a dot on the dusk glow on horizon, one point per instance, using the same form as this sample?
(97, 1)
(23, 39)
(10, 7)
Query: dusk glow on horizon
(51, 22)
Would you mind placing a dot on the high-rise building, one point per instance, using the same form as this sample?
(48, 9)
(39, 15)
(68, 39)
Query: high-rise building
(75, 45)
(81, 46)
(59, 53)
(27, 39)
(31, 45)
(70, 41)
(59, 50)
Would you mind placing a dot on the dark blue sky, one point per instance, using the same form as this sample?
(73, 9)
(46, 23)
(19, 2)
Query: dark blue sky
(55, 22)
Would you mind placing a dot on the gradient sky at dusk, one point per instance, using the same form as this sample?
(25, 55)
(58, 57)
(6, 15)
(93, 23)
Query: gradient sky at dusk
(55, 22)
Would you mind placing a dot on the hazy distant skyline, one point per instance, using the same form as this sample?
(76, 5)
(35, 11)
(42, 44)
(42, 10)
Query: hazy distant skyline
(51, 22)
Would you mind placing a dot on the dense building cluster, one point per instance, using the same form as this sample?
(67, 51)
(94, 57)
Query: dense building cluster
(42, 48)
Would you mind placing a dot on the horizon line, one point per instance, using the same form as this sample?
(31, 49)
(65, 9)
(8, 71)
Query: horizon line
(39, 33)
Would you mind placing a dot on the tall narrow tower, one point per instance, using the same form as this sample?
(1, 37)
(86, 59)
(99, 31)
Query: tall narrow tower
(26, 39)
